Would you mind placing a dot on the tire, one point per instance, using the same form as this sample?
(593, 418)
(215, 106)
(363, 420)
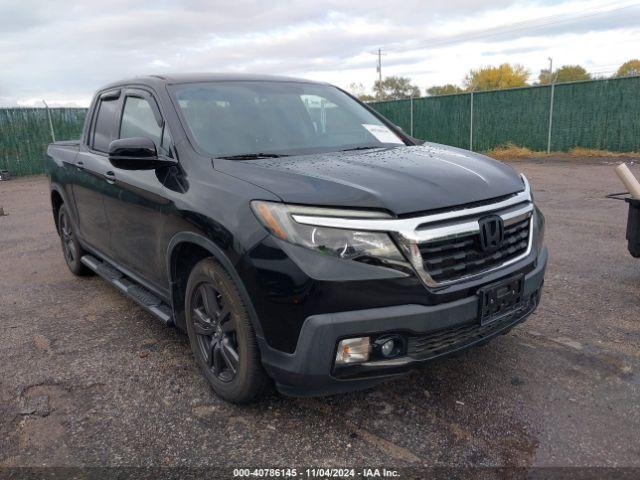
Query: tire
(221, 335)
(71, 248)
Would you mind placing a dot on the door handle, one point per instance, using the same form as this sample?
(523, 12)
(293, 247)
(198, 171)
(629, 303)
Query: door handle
(80, 165)
(109, 176)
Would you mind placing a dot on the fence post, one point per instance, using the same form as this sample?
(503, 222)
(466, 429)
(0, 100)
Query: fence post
(553, 88)
(53, 136)
(471, 124)
(411, 104)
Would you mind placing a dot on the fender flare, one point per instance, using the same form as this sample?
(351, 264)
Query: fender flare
(59, 190)
(223, 259)
(54, 187)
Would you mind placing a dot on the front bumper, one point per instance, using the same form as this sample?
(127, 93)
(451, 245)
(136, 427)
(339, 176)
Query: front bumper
(309, 371)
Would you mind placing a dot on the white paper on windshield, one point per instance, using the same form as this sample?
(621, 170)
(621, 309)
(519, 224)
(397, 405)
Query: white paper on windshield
(382, 133)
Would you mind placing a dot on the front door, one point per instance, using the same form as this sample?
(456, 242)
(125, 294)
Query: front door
(138, 206)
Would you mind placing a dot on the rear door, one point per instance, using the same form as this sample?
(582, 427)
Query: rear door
(137, 209)
(92, 183)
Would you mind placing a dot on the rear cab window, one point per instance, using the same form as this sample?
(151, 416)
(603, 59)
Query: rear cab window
(104, 126)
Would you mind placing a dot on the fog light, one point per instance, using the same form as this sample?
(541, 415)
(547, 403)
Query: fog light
(387, 348)
(353, 350)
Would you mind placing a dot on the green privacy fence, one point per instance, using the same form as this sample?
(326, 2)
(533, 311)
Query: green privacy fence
(602, 114)
(25, 133)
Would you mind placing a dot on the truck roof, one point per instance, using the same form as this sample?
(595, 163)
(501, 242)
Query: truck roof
(174, 78)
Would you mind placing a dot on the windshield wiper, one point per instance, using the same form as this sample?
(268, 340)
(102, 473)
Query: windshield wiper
(359, 148)
(253, 156)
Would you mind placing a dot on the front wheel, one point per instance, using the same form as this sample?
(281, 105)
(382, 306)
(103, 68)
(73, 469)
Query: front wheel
(221, 335)
(71, 248)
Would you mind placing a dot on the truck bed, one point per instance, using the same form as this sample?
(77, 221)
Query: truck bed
(59, 152)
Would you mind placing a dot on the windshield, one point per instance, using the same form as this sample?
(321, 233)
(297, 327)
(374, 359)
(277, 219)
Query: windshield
(277, 118)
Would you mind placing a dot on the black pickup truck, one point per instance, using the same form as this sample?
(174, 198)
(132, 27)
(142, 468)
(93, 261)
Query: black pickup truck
(295, 234)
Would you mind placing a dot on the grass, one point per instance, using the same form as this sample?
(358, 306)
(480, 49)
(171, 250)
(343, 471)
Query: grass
(511, 151)
(593, 152)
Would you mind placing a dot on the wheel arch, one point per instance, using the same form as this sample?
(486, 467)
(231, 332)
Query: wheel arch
(194, 247)
(58, 198)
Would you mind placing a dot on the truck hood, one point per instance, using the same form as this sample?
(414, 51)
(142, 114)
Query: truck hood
(399, 179)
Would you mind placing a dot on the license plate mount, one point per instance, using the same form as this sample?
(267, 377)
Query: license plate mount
(500, 299)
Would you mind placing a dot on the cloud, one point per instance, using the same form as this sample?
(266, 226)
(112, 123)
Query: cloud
(66, 50)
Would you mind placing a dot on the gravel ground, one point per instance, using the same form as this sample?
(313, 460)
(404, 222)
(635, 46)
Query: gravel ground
(87, 378)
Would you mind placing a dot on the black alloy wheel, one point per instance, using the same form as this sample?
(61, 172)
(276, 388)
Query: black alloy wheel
(66, 235)
(216, 332)
(71, 248)
(221, 334)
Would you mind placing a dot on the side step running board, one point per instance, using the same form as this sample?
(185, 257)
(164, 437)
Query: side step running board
(130, 287)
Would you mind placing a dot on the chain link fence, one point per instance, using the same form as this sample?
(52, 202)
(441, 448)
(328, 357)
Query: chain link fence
(599, 114)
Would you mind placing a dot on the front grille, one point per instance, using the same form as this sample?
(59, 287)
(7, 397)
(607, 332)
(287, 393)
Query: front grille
(452, 259)
(441, 342)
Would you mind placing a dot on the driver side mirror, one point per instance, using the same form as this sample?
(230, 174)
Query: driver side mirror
(137, 153)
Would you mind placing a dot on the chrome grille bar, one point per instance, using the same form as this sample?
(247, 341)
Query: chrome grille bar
(413, 232)
(410, 228)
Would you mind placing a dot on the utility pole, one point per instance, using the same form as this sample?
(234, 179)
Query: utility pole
(379, 70)
(550, 69)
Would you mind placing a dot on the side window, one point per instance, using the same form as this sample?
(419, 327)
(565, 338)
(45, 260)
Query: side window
(138, 120)
(104, 129)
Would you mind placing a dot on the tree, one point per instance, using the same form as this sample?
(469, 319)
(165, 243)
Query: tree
(447, 89)
(629, 69)
(571, 73)
(491, 78)
(358, 90)
(395, 88)
(566, 73)
(544, 78)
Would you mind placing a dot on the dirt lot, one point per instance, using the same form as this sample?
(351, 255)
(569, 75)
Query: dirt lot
(88, 378)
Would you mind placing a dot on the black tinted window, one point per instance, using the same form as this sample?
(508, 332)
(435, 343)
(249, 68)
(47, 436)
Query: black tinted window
(138, 120)
(231, 118)
(104, 130)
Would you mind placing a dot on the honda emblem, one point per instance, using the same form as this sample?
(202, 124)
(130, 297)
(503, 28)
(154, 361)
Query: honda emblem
(491, 233)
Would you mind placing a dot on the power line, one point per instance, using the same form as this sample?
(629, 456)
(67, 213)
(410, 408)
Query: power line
(521, 26)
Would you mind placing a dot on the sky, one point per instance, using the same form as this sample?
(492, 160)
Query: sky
(63, 51)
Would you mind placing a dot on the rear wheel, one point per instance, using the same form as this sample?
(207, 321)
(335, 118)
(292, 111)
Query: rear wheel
(221, 334)
(70, 246)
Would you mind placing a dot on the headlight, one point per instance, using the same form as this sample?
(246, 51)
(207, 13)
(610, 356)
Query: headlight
(346, 244)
